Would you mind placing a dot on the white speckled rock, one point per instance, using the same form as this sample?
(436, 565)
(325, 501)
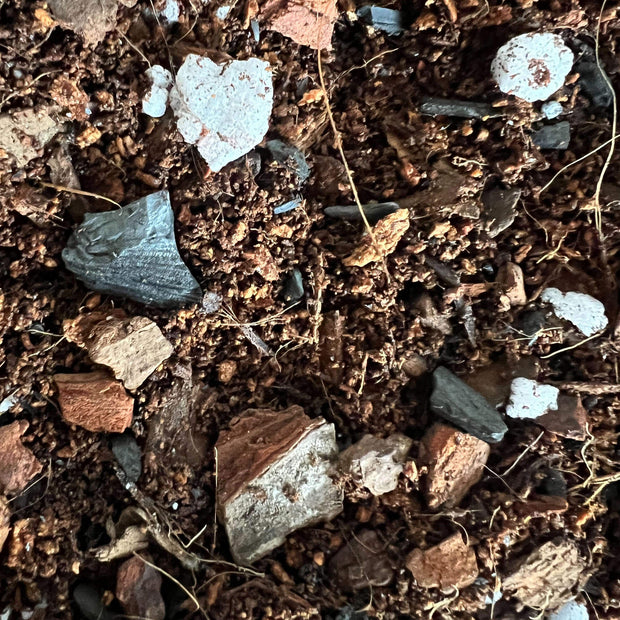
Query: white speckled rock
(571, 611)
(583, 311)
(223, 109)
(532, 66)
(530, 400)
(155, 100)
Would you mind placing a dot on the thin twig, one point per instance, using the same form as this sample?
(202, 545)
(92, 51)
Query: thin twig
(527, 449)
(574, 346)
(81, 192)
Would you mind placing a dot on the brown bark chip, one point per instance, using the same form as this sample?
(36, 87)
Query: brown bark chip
(387, 233)
(455, 462)
(362, 562)
(17, 463)
(94, 401)
(273, 478)
(450, 564)
(545, 579)
(138, 588)
(512, 285)
(5, 521)
(307, 22)
(132, 348)
(568, 420)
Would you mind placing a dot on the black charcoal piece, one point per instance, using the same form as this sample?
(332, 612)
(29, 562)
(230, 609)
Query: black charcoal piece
(591, 77)
(293, 287)
(499, 209)
(128, 455)
(556, 136)
(289, 156)
(132, 252)
(436, 106)
(455, 401)
(387, 20)
(373, 212)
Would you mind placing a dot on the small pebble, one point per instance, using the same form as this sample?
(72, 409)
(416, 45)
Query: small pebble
(585, 312)
(532, 66)
(287, 206)
(530, 399)
(387, 20)
(171, 12)
(552, 109)
(155, 100)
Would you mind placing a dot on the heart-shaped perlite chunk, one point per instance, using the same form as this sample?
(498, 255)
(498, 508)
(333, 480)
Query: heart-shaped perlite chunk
(223, 109)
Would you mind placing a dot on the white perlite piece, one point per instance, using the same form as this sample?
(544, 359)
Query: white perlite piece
(532, 66)
(571, 611)
(155, 100)
(171, 12)
(223, 109)
(376, 463)
(530, 400)
(583, 311)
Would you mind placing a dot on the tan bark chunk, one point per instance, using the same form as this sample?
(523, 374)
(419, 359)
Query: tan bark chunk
(307, 22)
(133, 348)
(5, 521)
(89, 18)
(387, 233)
(450, 564)
(546, 578)
(17, 463)
(455, 462)
(94, 401)
(512, 285)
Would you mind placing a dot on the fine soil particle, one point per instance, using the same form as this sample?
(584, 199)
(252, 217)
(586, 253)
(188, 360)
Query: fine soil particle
(358, 349)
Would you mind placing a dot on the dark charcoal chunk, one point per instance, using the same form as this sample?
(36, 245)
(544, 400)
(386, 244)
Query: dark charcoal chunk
(436, 106)
(372, 212)
(128, 455)
(387, 20)
(555, 136)
(88, 600)
(499, 209)
(132, 252)
(592, 79)
(456, 402)
(293, 287)
(289, 156)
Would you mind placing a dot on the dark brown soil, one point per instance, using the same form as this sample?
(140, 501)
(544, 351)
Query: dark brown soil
(369, 318)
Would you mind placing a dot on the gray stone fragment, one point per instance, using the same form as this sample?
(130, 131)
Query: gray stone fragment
(499, 209)
(387, 20)
(274, 478)
(437, 106)
(89, 601)
(287, 206)
(556, 136)
(293, 287)
(376, 463)
(552, 109)
(373, 212)
(132, 253)
(289, 156)
(128, 455)
(455, 401)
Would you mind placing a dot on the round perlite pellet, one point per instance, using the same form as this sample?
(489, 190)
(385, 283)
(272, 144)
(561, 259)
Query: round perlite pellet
(532, 66)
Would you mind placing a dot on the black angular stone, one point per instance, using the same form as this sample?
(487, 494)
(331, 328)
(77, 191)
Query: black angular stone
(128, 455)
(437, 106)
(290, 156)
(132, 252)
(387, 20)
(293, 287)
(499, 209)
(556, 136)
(455, 401)
(591, 77)
(373, 212)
